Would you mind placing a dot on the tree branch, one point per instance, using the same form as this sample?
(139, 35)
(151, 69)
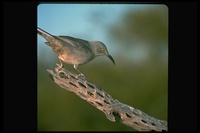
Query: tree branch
(114, 110)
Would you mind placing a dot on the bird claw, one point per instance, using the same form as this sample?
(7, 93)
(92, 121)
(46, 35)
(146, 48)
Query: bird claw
(60, 65)
(81, 75)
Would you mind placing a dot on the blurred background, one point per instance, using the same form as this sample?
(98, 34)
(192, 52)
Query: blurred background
(136, 35)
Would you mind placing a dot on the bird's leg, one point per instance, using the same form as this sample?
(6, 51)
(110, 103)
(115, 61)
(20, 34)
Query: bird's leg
(76, 67)
(60, 65)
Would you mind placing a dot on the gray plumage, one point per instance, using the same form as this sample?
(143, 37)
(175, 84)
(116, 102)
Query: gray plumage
(74, 51)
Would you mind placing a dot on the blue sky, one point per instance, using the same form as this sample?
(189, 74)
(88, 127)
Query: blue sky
(75, 19)
(85, 21)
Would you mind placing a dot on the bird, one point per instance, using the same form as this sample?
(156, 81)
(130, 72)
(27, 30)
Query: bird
(74, 51)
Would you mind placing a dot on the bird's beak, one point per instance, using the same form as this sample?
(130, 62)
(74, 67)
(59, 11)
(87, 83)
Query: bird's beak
(111, 58)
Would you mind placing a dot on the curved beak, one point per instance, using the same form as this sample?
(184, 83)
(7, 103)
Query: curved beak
(111, 58)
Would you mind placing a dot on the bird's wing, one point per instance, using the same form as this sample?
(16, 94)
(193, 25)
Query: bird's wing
(60, 41)
(75, 42)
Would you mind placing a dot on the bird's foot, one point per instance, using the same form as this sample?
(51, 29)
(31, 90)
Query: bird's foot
(60, 66)
(81, 75)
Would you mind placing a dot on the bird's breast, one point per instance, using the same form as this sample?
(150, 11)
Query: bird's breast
(74, 56)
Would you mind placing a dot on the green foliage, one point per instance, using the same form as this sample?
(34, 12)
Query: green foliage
(149, 25)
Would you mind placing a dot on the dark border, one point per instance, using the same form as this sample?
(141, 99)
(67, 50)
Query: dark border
(182, 66)
(19, 66)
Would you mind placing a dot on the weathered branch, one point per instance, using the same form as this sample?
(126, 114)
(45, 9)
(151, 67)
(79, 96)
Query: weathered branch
(114, 110)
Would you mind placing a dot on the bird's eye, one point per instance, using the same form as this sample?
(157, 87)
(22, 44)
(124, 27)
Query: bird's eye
(102, 49)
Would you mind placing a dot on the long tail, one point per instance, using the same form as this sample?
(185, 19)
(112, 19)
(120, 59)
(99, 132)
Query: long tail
(52, 41)
(44, 34)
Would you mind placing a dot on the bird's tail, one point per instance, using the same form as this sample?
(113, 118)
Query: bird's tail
(44, 34)
(52, 41)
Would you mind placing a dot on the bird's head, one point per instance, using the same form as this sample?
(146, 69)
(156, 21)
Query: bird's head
(100, 49)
